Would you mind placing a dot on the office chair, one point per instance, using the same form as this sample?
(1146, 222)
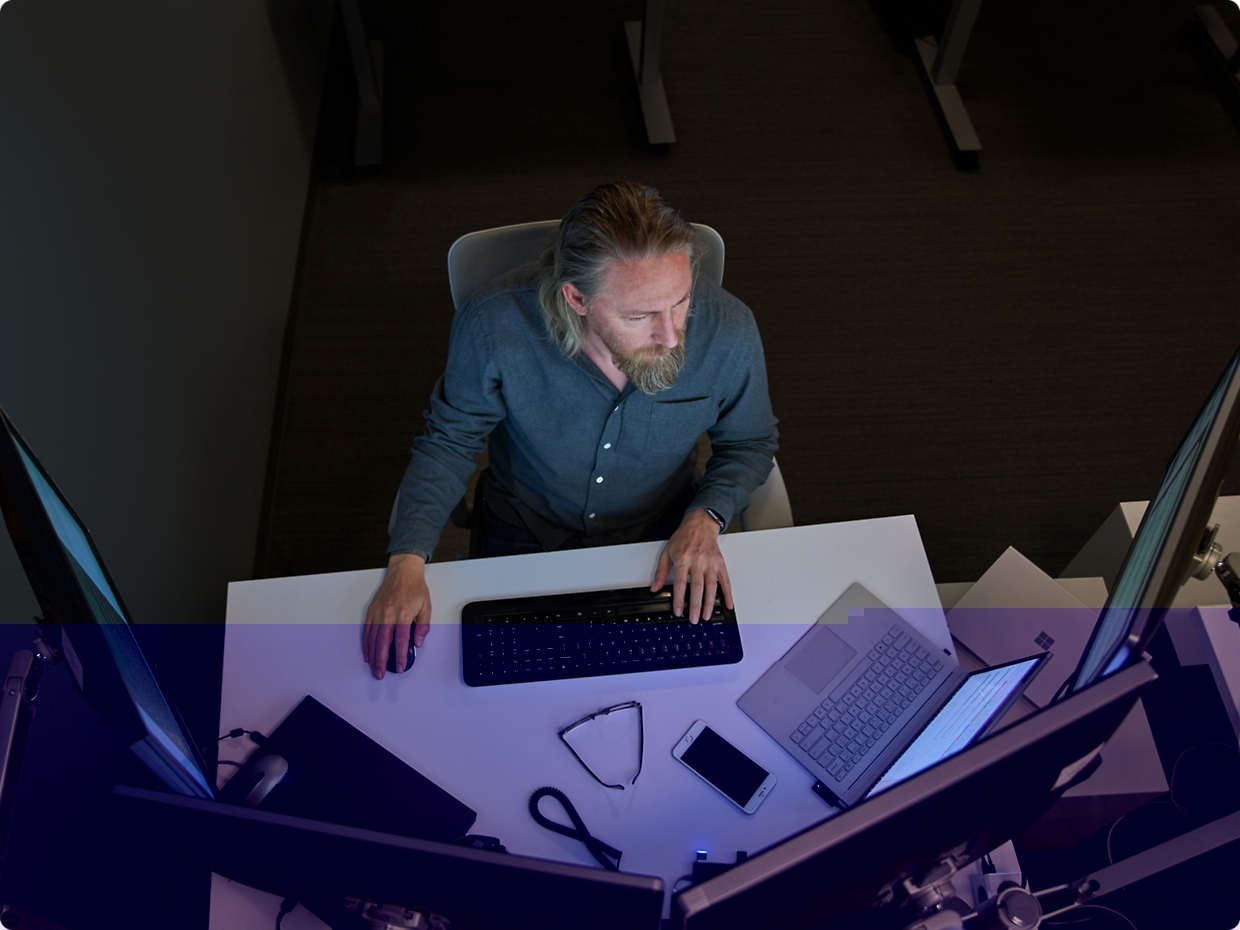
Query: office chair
(477, 258)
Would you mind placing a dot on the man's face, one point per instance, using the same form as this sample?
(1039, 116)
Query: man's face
(639, 318)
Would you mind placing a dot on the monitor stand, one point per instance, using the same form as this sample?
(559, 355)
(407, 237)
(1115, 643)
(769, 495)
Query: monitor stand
(1209, 558)
(1228, 571)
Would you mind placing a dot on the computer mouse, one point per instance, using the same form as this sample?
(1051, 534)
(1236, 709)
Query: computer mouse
(391, 662)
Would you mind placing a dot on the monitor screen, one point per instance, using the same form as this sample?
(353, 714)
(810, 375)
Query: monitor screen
(977, 705)
(1160, 558)
(90, 621)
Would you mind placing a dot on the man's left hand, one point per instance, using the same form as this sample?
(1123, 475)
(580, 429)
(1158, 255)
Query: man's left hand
(693, 555)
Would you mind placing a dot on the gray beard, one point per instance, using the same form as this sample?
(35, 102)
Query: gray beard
(652, 374)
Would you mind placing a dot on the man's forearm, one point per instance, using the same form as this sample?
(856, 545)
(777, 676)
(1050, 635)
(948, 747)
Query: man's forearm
(423, 504)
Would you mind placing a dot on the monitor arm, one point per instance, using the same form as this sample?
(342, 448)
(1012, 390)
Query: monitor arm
(1228, 571)
(1209, 558)
(933, 896)
(43, 650)
(21, 684)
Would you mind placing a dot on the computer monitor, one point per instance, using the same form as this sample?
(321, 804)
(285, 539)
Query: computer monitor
(322, 866)
(1172, 532)
(86, 622)
(834, 874)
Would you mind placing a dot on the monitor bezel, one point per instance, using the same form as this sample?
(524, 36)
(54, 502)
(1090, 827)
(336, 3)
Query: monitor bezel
(1185, 532)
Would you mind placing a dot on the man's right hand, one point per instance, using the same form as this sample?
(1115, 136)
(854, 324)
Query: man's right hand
(402, 598)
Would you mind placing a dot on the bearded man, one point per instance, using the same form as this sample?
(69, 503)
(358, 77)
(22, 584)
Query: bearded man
(593, 373)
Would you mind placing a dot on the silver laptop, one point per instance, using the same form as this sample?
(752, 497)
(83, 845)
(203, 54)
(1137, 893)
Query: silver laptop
(860, 687)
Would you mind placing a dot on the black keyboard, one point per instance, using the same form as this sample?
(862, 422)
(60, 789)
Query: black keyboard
(587, 634)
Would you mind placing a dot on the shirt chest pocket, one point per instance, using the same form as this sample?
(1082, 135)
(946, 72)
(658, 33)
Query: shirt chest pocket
(676, 425)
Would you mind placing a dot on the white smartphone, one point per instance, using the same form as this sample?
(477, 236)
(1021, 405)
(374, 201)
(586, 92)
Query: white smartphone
(724, 767)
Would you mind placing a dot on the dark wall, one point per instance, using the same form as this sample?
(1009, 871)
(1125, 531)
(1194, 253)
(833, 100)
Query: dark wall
(155, 166)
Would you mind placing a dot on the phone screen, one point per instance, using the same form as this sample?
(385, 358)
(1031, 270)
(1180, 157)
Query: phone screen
(724, 766)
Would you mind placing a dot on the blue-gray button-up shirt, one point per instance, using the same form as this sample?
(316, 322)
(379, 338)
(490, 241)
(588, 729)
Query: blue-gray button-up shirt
(570, 454)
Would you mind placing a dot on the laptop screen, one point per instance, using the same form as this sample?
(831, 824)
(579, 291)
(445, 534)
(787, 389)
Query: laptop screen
(978, 703)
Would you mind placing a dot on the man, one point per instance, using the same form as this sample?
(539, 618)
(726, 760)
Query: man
(594, 375)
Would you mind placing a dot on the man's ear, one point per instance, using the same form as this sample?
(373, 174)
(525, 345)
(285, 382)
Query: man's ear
(575, 298)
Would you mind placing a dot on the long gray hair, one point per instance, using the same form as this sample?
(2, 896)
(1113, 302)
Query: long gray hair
(616, 222)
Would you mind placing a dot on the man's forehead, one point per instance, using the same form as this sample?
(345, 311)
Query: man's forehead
(670, 271)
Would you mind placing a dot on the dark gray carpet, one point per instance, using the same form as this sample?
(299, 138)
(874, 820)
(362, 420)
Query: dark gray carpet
(1006, 353)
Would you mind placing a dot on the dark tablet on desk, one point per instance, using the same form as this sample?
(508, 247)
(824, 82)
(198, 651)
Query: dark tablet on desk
(338, 774)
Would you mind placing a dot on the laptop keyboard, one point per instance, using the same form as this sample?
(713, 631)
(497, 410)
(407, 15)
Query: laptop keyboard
(839, 733)
(588, 634)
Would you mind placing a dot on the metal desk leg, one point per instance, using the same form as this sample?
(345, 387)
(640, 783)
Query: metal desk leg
(368, 70)
(645, 42)
(939, 64)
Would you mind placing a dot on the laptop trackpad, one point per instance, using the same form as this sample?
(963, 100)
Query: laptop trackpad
(821, 657)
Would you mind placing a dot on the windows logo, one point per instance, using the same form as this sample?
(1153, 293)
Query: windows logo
(1044, 641)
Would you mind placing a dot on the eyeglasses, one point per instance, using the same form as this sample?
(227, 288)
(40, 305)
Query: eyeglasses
(641, 739)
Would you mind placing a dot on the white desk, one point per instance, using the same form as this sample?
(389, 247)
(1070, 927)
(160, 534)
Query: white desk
(492, 747)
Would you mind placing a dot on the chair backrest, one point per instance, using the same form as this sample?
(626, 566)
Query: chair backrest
(769, 508)
(478, 258)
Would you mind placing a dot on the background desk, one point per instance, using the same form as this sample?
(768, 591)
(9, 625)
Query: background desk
(492, 747)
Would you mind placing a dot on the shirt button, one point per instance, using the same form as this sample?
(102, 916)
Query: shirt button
(598, 480)
(606, 445)
(591, 516)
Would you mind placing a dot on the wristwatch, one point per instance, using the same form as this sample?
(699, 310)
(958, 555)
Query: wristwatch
(717, 517)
